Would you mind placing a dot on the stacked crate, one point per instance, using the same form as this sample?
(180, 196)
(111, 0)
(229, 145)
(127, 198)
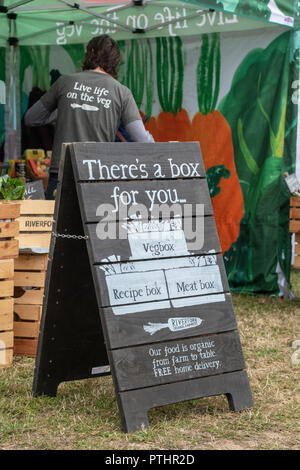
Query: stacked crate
(35, 223)
(295, 228)
(9, 250)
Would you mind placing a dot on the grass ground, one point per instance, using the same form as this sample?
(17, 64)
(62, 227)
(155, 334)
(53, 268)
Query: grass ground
(84, 414)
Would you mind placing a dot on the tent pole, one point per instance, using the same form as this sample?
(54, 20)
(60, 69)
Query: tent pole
(12, 146)
(296, 34)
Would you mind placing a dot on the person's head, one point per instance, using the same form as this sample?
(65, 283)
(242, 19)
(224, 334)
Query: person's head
(102, 51)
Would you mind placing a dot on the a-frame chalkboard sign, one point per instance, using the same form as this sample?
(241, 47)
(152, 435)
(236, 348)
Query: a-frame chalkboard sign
(136, 284)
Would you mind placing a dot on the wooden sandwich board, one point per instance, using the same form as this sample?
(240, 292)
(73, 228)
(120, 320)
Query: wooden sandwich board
(129, 291)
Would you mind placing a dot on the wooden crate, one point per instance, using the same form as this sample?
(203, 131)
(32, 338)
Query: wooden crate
(35, 223)
(9, 250)
(6, 311)
(295, 228)
(29, 281)
(9, 229)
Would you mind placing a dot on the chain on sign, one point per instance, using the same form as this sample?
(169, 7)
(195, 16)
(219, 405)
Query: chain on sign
(66, 235)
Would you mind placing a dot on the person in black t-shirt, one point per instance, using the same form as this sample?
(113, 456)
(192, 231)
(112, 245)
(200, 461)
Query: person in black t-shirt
(88, 106)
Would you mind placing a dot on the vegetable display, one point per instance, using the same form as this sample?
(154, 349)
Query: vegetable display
(11, 188)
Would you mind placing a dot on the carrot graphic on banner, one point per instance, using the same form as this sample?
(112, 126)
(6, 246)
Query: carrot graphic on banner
(173, 122)
(213, 132)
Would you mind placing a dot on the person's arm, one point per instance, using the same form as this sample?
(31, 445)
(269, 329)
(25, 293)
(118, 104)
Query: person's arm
(137, 131)
(39, 115)
(132, 121)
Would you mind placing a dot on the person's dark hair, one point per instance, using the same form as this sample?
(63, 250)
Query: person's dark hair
(102, 51)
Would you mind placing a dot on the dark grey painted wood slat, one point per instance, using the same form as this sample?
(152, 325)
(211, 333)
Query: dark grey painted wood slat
(133, 160)
(135, 404)
(162, 325)
(154, 244)
(144, 366)
(114, 200)
(70, 342)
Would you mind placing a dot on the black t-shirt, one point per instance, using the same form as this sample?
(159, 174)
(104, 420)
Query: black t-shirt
(90, 106)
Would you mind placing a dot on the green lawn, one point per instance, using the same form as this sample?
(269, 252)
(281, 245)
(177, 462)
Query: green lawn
(84, 415)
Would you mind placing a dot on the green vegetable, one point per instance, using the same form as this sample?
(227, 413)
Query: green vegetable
(11, 188)
(256, 109)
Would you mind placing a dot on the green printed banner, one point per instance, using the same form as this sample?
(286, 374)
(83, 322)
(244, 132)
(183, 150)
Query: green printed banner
(274, 11)
(236, 94)
(259, 116)
(58, 23)
(240, 104)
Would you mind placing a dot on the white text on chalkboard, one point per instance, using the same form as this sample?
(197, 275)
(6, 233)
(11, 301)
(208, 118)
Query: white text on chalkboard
(137, 170)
